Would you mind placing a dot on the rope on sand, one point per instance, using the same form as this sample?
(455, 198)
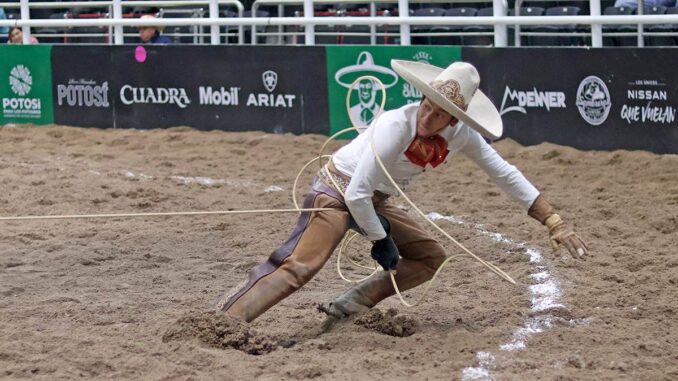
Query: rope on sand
(162, 214)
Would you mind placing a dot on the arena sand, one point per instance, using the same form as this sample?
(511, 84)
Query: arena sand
(128, 298)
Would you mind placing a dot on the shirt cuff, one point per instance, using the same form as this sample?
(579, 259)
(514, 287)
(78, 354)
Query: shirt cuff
(363, 213)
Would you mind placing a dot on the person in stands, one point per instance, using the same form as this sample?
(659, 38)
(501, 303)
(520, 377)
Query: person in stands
(16, 36)
(152, 34)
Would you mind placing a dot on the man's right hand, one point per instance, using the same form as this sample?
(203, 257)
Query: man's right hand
(384, 251)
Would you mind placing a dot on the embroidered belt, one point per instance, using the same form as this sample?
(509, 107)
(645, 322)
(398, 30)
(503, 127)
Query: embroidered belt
(329, 172)
(331, 178)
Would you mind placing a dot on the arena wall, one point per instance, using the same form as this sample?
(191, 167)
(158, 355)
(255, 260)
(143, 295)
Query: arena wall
(601, 99)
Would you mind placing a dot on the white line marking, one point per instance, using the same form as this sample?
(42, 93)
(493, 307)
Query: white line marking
(545, 293)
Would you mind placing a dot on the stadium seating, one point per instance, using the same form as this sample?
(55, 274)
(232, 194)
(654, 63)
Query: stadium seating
(451, 40)
(326, 35)
(388, 34)
(617, 40)
(658, 40)
(557, 40)
(231, 31)
(666, 28)
(259, 28)
(419, 29)
(524, 11)
(470, 35)
(479, 40)
(355, 35)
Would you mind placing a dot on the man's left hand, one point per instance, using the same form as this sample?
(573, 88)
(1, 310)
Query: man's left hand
(561, 234)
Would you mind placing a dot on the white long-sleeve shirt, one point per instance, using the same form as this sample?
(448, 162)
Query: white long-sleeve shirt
(393, 132)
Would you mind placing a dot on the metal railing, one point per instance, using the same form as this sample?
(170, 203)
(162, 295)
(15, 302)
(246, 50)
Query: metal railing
(499, 21)
(114, 12)
(403, 9)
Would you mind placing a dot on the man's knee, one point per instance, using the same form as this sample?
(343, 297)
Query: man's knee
(429, 253)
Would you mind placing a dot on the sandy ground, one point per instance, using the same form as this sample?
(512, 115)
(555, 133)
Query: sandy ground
(128, 298)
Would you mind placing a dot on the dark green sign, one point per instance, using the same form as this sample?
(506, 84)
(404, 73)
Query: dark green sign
(26, 84)
(345, 64)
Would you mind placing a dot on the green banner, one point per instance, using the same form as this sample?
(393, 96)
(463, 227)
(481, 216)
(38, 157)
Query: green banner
(26, 84)
(345, 64)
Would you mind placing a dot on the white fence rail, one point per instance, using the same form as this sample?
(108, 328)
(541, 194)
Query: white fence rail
(214, 21)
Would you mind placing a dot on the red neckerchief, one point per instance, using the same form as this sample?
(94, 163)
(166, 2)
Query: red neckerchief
(427, 150)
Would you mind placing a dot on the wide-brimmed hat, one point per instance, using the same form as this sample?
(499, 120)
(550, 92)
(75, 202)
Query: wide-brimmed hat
(455, 90)
(159, 28)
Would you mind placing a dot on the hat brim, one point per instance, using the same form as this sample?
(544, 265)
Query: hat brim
(481, 114)
(347, 75)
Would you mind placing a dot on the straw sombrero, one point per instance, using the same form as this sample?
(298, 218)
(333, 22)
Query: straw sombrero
(455, 89)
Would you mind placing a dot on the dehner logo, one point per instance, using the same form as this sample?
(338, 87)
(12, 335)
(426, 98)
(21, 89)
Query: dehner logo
(21, 82)
(160, 95)
(83, 92)
(270, 81)
(220, 96)
(532, 99)
(593, 100)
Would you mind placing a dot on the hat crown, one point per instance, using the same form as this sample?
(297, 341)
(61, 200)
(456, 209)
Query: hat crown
(458, 83)
(455, 90)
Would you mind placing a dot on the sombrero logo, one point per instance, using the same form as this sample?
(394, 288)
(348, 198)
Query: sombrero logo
(270, 80)
(366, 109)
(21, 82)
(593, 100)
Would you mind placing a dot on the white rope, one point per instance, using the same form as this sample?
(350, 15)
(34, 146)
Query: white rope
(163, 214)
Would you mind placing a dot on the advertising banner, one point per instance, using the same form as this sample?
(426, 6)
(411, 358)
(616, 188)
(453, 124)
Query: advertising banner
(25, 84)
(82, 78)
(233, 88)
(345, 64)
(586, 98)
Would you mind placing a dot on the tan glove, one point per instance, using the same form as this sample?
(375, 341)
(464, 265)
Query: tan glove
(560, 234)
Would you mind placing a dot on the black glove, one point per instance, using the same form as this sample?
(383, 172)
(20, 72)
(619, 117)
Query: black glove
(384, 251)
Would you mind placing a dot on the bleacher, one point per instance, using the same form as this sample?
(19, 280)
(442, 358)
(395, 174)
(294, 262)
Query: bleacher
(467, 35)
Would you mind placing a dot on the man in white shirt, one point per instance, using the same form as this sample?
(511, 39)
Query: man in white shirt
(450, 119)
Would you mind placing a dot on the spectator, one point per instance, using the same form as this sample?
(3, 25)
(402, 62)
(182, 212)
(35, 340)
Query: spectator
(151, 34)
(4, 30)
(648, 3)
(16, 36)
